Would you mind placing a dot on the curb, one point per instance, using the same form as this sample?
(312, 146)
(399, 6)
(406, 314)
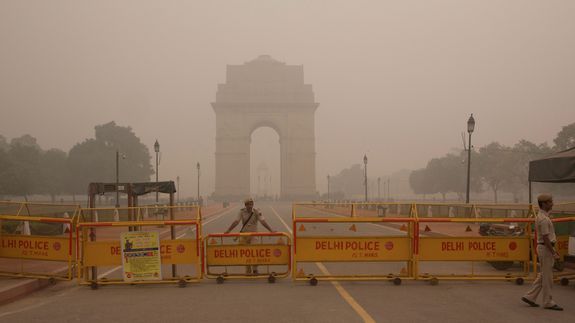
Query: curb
(25, 286)
(22, 288)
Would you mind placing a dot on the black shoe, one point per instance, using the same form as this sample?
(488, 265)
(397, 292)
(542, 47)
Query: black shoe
(554, 307)
(531, 303)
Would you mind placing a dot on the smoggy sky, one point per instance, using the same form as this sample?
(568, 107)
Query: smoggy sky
(395, 79)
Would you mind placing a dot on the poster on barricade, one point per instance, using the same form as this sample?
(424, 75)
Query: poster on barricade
(141, 255)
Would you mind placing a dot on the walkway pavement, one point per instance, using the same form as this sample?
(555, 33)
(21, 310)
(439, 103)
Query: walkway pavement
(12, 288)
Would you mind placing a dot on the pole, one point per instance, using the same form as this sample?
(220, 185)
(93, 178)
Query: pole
(156, 177)
(388, 192)
(328, 187)
(178, 182)
(117, 178)
(378, 189)
(198, 165)
(365, 179)
(468, 169)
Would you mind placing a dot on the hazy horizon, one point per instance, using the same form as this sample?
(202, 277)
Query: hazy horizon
(395, 80)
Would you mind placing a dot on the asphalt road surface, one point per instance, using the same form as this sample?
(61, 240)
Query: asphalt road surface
(294, 301)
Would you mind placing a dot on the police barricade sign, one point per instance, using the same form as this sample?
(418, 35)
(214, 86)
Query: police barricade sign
(353, 249)
(252, 255)
(473, 249)
(386, 243)
(103, 249)
(50, 257)
(498, 255)
(565, 230)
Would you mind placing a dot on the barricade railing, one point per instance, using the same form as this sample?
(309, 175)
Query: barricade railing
(247, 255)
(37, 247)
(152, 212)
(379, 244)
(462, 240)
(565, 231)
(100, 245)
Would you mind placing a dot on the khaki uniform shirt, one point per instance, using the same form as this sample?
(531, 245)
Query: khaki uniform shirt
(252, 225)
(543, 226)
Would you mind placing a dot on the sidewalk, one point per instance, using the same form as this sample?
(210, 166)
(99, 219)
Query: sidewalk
(12, 288)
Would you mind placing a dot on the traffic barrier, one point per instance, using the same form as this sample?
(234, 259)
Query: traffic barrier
(241, 256)
(565, 230)
(457, 242)
(34, 255)
(152, 248)
(36, 240)
(320, 238)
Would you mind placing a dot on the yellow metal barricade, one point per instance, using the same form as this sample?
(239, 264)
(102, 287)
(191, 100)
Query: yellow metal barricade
(102, 249)
(34, 255)
(243, 255)
(37, 240)
(332, 233)
(564, 227)
(455, 248)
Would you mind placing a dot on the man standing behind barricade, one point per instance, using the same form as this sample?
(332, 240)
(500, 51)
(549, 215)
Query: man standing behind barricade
(546, 253)
(249, 216)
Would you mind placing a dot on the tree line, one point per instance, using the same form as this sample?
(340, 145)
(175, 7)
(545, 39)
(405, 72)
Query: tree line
(26, 169)
(495, 167)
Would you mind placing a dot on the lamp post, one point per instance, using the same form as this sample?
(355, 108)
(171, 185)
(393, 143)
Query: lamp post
(365, 174)
(178, 184)
(328, 187)
(157, 150)
(198, 166)
(470, 128)
(378, 189)
(117, 178)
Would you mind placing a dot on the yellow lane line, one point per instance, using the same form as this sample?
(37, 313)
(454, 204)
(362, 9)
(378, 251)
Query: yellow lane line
(342, 292)
(346, 296)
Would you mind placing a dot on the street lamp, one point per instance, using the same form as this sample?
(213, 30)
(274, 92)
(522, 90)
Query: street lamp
(157, 150)
(118, 177)
(470, 128)
(198, 166)
(178, 189)
(328, 187)
(365, 174)
(378, 189)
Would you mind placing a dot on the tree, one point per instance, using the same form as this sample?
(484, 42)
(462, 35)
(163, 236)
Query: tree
(53, 173)
(496, 167)
(418, 182)
(4, 146)
(21, 177)
(349, 181)
(565, 138)
(94, 160)
(520, 155)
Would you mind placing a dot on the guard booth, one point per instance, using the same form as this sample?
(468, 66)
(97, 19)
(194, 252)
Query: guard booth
(103, 229)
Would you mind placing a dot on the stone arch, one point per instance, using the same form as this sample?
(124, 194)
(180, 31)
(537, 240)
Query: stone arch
(265, 93)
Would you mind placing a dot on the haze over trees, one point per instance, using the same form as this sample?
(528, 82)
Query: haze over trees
(494, 167)
(26, 169)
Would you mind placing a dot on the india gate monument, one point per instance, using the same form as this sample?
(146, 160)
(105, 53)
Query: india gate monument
(265, 93)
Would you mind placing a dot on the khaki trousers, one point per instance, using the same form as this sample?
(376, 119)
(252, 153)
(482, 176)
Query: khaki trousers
(249, 240)
(544, 281)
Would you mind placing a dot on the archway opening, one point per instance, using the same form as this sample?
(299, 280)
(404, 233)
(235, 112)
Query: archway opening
(265, 165)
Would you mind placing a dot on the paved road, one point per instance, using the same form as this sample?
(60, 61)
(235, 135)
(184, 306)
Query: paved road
(288, 301)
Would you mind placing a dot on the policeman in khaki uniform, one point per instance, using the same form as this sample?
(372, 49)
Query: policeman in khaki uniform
(249, 216)
(546, 253)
